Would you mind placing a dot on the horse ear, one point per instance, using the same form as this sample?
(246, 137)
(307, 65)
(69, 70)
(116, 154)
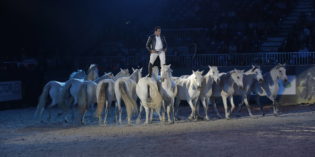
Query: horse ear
(284, 64)
(209, 66)
(193, 71)
(133, 69)
(169, 66)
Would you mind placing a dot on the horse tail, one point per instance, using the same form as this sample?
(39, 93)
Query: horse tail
(42, 100)
(101, 97)
(131, 105)
(83, 97)
(65, 96)
(155, 95)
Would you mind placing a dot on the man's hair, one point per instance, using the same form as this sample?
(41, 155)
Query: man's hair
(156, 28)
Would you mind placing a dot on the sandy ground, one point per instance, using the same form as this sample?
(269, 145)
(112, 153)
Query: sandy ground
(290, 134)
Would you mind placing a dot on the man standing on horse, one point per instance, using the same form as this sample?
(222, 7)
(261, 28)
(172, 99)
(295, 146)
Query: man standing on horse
(156, 45)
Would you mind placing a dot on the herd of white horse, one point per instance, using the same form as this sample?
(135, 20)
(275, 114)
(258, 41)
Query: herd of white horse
(160, 93)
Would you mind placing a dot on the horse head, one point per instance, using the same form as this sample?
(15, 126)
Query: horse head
(197, 78)
(166, 72)
(214, 73)
(280, 72)
(258, 73)
(237, 76)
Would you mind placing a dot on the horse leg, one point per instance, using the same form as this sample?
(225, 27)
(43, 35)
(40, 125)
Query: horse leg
(169, 114)
(260, 105)
(240, 105)
(83, 116)
(107, 107)
(159, 114)
(138, 121)
(173, 110)
(197, 106)
(205, 107)
(215, 107)
(193, 110)
(163, 110)
(147, 112)
(275, 112)
(177, 102)
(118, 111)
(224, 99)
(150, 115)
(232, 104)
(247, 106)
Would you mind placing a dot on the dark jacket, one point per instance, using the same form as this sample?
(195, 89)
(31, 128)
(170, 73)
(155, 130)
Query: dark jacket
(150, 45)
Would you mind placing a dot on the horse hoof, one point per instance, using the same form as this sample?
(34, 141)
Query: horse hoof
(276, 114)
(190, 118)
(207, 118)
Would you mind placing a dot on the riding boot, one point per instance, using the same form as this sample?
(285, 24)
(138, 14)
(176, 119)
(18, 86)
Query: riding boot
(150, 74)
(150, 66)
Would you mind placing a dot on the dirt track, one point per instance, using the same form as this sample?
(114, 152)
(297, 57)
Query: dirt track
(290, 134)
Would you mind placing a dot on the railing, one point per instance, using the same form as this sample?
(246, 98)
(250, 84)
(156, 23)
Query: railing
(201, 60)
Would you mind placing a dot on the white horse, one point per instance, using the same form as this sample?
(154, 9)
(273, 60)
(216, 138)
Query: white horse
(71, 92)
(270, 87)
(105, 94)
(125, 88)
(168, 90)
(249, 79)
(157, 78)
(226, 88)
(150, 97)
(188, 88)
(52, 90)
(207, 89)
